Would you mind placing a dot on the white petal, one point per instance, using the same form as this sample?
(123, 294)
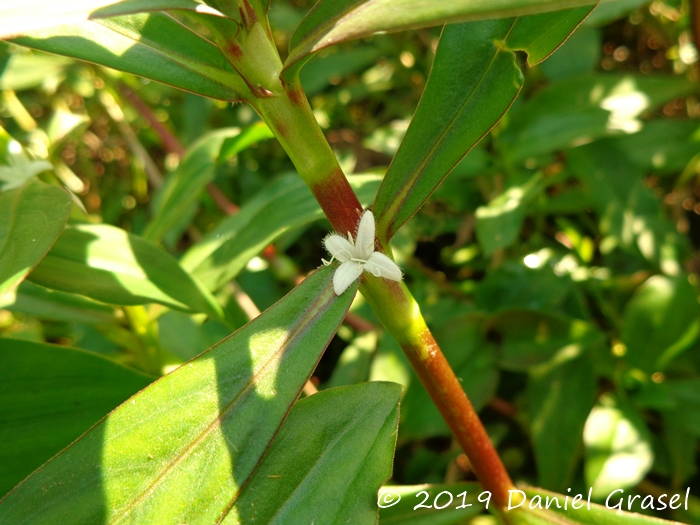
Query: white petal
(364, 243)
(346, 274)
(380, 265)
(339, 247)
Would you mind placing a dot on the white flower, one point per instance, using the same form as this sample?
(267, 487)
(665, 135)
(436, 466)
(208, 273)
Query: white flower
(358, 256)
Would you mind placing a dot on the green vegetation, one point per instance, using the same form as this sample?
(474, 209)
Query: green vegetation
(170, 169)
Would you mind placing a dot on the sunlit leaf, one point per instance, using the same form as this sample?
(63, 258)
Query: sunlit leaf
(30, 16)
(16, 167)
(180, 450)
(31, 218)
(618, 448)
(108, 264)
(151, 45)
(498, 224)
(29, 70)
(578, 110)
(251, 135)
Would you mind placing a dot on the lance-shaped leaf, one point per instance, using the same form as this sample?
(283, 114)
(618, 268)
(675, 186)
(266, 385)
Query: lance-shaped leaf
(16, 167)
(19, 19)
(477, 62)
(334, 21)
(328, 460)
(184, 187)
(107, 264)
(151, 45)
(42, 303)
(31, 218)
(180, 450)
(561, 395)
(660, 322)
(285, 205)
(50, 396)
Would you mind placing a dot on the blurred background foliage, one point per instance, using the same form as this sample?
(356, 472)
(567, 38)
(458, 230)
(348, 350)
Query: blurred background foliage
(557, 265)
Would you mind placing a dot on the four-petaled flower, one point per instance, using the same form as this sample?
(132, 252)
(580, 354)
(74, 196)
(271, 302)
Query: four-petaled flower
(358, 256)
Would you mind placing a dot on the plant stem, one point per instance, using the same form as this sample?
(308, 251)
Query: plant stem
(400, 314)
(286, 110)
(293, 123)
(290, 117)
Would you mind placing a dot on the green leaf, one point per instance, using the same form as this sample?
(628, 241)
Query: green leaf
(530, 337)
(29, 70)
(180, 450)
(578, 56)
(630, 214)
(477, 61)
(110, 265)
(584, 514)
(15, 166)
(334, 21)
(662, 146)
(42, 303)
(514, 285)
(685, 394)
(618, 448)
(17, 19)
(561, 398)
(31, 218)
(183, 187)
(660, 321)
(151, 45)
(181, 335)
(283, 206)
(354, 363)
(403, 512)
(681, 446)
(49, 396)
(328, 460)
(498, 224)
(251, 135)
(578, 110)
(608, 12)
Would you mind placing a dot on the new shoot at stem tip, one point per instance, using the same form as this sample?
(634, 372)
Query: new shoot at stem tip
(358, 256)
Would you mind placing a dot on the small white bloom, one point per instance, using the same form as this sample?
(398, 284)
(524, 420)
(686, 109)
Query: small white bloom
(358, 256)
